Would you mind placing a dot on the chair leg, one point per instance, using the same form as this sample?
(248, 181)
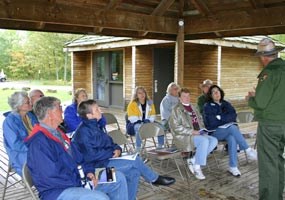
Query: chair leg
(178, 168)
(6, 182)
(255, 144)
(132, 141)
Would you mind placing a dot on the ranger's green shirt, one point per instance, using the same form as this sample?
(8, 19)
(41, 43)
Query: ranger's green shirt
(269, 100)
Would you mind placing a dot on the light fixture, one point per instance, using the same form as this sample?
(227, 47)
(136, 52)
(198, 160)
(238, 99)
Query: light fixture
(181, 22)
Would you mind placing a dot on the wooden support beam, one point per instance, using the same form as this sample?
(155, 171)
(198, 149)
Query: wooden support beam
(181, 8)
(254, 19)
(201, 6)
(65, 14)
(179, 57)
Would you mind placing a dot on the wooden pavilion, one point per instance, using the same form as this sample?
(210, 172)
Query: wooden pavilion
(174, 20)
(114, 66)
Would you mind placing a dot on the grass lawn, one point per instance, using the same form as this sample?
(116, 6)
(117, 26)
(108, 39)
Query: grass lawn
(4, 94)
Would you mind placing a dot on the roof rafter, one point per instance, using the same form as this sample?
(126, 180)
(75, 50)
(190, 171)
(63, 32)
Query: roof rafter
(201, 6)
(256, 4)
(113, 4)
(260, 18)
(158, 11)
(64, 14)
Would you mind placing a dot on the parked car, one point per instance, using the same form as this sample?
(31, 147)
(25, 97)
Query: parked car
(3, 77)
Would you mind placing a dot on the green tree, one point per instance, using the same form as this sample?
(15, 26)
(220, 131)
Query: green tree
(35, 55)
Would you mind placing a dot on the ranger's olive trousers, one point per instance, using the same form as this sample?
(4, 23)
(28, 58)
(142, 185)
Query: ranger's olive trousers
(270, 149)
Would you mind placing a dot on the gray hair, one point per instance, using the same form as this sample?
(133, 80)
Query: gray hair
(44, 104)
(17, 99)
(170, 86)
(32, 92)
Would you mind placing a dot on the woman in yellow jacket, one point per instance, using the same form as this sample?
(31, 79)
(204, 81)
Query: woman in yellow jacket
(140, 110)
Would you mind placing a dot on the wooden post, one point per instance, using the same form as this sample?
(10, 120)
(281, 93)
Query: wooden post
(179, 55)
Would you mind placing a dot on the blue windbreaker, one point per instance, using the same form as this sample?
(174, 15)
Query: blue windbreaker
(52, 169)
(14, 133)
(212, 109)
(95, 145)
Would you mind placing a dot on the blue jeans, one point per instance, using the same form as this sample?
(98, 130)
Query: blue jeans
(116, 191)
(160, 139)
(204, 145)
(80, 193)
(133, 169)
(233, 137)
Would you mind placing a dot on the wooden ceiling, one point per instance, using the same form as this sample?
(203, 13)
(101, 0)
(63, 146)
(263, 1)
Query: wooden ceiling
(146, 18)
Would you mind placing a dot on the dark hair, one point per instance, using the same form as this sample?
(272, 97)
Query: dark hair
(184, 90)
(209, 94)
(85, 107)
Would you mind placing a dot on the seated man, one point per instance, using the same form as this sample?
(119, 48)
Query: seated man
(97, 148)
(187, 125)
(53, 161)
(168, 102)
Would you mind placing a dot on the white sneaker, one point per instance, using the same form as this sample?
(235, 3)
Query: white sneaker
(199, 174)
(191, 162)
(251, 154)
(234, 171)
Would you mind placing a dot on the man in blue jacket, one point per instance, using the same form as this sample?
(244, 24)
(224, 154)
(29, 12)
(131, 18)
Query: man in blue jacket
(98, 147)
(53, 161)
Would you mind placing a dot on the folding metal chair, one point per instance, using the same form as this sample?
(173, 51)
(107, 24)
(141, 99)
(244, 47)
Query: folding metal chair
(27, 179)
(149, 131)
(115, 129)
(10, 173)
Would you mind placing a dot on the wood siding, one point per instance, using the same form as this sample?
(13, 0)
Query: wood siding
(200, 63)
(128, 74)
(144, 71)
(82, 71)
(239, 69)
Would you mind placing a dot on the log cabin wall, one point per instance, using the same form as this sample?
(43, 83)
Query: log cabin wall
(239, 69)
(144, 68)
(200, 63)
(82, 71)
(128, 74)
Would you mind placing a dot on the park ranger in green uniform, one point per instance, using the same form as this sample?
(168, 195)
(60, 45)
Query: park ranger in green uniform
(268, 102)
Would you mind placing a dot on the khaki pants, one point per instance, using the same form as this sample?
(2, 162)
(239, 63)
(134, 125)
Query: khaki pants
(270, 149)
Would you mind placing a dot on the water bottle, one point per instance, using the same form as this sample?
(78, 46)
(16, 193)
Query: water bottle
(82, 175)
(84, 182)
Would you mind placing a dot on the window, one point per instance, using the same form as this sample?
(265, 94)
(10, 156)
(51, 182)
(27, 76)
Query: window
(116, 65)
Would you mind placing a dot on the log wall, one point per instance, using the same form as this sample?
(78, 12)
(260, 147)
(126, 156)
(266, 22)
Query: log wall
(82, 71)
(200, 64)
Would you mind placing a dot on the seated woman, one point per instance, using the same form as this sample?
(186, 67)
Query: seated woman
(186, 125)
(168, 102)
(55, 163)
(17, 126)
(71, 117)
(218, 112)
(97, 148)
(140, 110)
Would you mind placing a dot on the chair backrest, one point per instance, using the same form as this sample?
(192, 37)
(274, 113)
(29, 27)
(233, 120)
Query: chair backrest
(27, 179)
(118, 137)
(112, 120)
(245, 117)
(150, 130)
